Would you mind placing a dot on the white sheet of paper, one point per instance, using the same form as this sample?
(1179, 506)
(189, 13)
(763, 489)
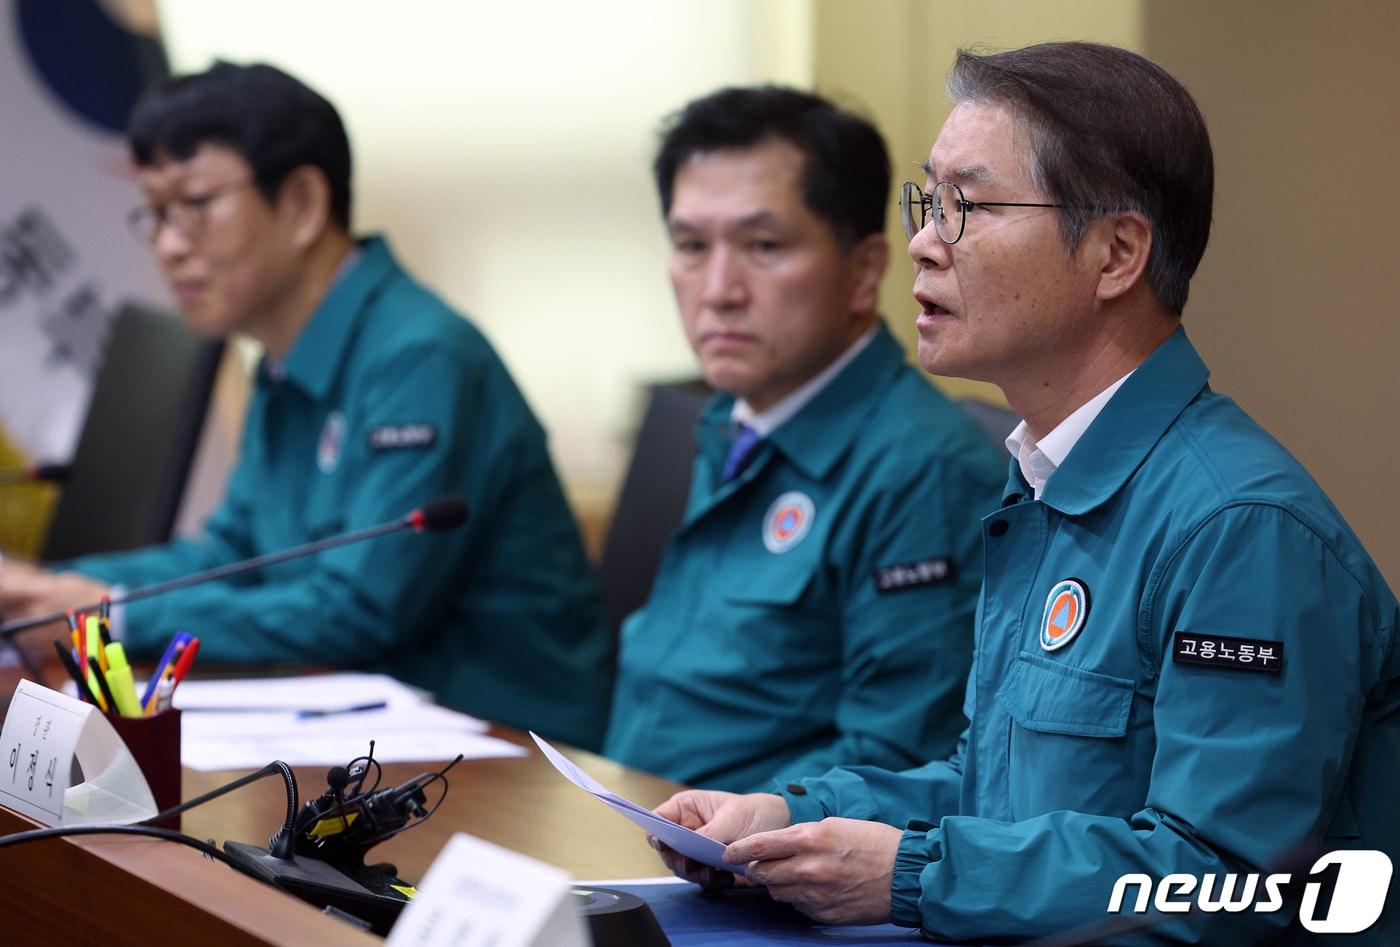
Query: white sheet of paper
(239, 735)
(691, 844)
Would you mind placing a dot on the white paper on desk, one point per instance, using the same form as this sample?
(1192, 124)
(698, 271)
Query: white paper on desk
(239, 736)
(691, 844)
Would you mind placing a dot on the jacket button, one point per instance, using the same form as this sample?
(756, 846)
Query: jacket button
(998, 528)
(797, 789)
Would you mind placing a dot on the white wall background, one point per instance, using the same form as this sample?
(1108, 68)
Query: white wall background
(505, 148)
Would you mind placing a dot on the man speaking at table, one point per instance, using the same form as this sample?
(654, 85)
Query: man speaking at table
(1186, 662)
(815, 606)
(372, 398)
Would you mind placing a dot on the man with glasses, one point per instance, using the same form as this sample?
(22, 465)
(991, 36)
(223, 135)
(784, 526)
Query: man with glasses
(815, 606)
(372, 398)
(1186, 670)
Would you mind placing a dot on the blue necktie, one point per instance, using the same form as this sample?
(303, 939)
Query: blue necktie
(740, 451)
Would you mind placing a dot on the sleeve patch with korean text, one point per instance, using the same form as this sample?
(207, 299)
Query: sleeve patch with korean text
(914, 574)
(1237, 654)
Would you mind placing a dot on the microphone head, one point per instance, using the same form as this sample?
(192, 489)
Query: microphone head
(52, 473)
(337, 778)
(445, 512)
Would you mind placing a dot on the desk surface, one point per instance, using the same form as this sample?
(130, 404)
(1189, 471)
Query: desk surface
(162, 889)
(520, 803)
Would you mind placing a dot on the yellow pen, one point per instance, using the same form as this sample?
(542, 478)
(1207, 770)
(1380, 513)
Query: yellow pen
(120, 680)
(94, 637)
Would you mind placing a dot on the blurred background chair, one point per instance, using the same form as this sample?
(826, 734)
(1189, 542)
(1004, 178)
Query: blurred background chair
(651, 503)
(129, 468)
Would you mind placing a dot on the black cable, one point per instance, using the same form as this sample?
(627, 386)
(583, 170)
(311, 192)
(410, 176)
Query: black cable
(276, 766)
(145, 826)
(439, 776)
(369, 760)
(170, 835)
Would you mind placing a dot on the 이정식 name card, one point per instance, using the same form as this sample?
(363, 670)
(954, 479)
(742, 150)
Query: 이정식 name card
(37, 747)
(476, 894)
(45, 733)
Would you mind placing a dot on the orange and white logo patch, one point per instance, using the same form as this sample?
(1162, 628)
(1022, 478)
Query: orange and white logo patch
(787, 521)
(1066, 608)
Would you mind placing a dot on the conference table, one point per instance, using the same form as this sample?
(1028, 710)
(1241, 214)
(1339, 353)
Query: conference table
(115, 890)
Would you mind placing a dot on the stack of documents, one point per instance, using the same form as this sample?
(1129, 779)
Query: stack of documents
(322, 720)
(689, 843)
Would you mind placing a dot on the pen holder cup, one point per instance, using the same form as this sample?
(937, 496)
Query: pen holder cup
(154, 743)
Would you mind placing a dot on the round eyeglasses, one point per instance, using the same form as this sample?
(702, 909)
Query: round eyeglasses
(187, 215)
(948, 208)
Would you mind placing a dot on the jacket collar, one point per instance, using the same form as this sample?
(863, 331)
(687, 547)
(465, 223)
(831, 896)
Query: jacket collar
(1127, 429)
(814, 439)
(317, 353)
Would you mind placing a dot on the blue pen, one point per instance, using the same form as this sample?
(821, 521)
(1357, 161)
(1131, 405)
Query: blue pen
(337, 711)
(172, 650)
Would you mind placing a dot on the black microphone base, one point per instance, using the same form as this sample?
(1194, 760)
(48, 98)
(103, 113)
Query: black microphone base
(615, 918)
(362, 893)
(619, 919)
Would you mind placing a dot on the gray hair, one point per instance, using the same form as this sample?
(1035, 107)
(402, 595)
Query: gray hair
(1110, 132)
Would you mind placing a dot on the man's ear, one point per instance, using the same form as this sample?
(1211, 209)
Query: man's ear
(867, 261)
(1126, 245)
(304, 203)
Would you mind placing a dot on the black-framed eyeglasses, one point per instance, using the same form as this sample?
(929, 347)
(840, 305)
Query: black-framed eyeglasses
(948, 208)
(188, 215)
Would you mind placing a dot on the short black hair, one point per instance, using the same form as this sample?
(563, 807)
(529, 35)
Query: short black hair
(846, 174)
(1111, 131)
(274, 121)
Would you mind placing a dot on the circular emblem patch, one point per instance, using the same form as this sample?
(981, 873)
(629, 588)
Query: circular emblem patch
(1066, 607)
(788, 520)
(332, 438)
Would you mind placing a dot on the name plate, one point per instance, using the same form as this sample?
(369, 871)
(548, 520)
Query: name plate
(45, 734)
(476, 894)
(37, 746)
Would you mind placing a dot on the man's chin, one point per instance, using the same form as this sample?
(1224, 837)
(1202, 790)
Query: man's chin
(936, 359)
(207, 325)
(728, 379)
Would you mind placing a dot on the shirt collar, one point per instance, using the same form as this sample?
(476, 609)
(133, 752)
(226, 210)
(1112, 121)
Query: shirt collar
(814, 438)
(316, 355)
(767, 421)
(1112, 448)
(1039, 459)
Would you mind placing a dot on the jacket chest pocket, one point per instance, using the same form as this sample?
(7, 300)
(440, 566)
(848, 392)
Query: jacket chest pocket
(324, 514)
(775, 582)
(769, 616)
(1069, 742)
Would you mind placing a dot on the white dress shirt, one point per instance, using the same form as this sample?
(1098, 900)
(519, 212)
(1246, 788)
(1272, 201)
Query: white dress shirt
(1040, 459)
(766, 422)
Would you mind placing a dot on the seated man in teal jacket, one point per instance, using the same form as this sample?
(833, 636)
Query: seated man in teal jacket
(1186, 676)
(815, 606)
(372, 398)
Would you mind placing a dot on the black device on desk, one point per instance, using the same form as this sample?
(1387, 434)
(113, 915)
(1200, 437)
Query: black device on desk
(319, 854)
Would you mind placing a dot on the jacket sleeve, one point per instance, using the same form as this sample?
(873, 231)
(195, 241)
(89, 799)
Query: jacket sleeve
(1248, 766)
(925, 793)
(908, 582)
(353, 604)
(224, 537)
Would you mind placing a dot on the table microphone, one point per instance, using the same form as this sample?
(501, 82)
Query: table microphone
(444, 513)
